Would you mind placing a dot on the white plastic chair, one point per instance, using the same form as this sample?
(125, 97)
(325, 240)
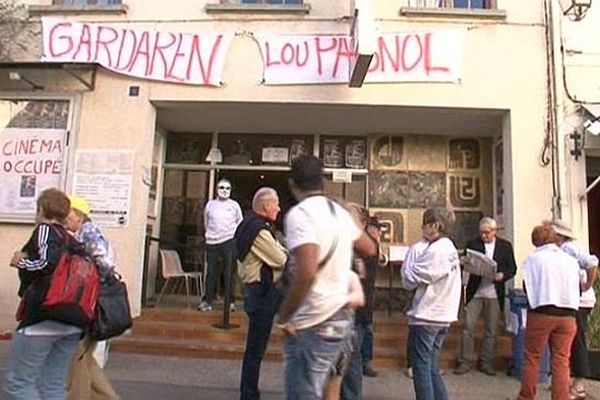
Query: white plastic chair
(171, 269)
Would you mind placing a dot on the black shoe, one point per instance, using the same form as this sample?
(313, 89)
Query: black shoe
(369, 371)
(488, 370)
(462, 369)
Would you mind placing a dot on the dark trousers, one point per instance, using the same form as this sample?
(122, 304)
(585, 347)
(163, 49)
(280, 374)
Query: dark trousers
(580, 364)
(220, 260)
(260, 304)
(366, 349)
(352, 381)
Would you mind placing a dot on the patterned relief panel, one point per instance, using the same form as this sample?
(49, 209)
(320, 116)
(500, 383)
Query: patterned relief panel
(388, 189)
(426, 153)
(465, 228)
(426, 189)
(387, 152)
(413, 172)
(465, 191)
(464, 180)
(392, 222)
(464, 154)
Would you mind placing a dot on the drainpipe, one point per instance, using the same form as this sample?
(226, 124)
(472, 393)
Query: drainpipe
(553, 107)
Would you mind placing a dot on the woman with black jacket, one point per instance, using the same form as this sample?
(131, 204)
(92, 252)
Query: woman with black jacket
(41, 349)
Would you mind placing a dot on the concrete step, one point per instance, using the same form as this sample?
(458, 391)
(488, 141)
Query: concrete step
(189, 333)
(194, 331)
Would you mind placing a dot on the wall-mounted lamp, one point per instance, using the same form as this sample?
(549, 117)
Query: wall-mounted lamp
(589, 126)
(592, 126)
(575, 9)
(16, 76)
(577, 138)
(214, 156)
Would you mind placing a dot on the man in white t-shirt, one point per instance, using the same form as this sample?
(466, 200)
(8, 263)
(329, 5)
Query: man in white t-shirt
(321, 237)
(221, 218)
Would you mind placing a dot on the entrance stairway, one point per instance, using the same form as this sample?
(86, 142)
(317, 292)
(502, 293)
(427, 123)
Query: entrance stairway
(184, 332)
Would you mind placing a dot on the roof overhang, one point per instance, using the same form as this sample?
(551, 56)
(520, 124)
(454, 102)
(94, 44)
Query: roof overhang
(19, 76)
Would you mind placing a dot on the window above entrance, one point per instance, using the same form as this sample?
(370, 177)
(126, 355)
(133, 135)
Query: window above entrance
(453, 8)
(85, 2)
(259, 6)
(452, 3)
(80, 6)
(266, 1)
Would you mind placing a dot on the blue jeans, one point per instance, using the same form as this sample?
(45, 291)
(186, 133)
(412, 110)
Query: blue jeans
(425, 345)
(260, 305)
(309, 357)
(38, 366)
(352, 382)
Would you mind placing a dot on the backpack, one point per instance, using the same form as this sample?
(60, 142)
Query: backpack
(73, 289)
(68, 293)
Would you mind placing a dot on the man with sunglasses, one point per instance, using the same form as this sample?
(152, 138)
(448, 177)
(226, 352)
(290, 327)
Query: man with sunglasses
(485, 297)
(221, 218)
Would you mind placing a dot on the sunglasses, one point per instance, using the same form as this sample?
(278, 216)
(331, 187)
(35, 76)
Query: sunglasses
(224, 187)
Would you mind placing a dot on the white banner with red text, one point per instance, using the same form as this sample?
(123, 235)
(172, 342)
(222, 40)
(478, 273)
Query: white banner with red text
(189, 58)
(416, 56)
(420, 56)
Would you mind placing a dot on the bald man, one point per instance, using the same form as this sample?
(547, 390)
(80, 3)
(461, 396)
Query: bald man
(261, 259)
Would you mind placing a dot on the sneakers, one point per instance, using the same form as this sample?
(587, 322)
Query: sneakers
(577, 394)
(462, 369)
(408, 373)
(488, 370)
(369, 371)
(204, 306)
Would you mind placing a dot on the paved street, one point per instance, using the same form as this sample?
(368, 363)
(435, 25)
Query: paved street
(139, 377)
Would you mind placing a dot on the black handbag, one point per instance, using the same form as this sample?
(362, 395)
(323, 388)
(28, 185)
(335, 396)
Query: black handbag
(113, 316)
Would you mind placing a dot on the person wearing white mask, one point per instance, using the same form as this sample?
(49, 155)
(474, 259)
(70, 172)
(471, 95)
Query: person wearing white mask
(221, 218)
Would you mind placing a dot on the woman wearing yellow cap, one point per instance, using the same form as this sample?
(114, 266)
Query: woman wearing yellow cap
(86, 380)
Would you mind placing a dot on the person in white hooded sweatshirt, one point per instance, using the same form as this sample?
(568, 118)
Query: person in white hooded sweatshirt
(436, 278)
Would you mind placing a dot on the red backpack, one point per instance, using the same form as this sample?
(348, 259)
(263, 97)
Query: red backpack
(73, 291)
(69, 294)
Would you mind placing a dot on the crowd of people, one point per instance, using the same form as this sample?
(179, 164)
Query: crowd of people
(328, 330)
(316, 283)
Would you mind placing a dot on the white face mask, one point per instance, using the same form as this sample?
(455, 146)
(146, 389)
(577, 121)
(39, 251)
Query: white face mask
(224, 189)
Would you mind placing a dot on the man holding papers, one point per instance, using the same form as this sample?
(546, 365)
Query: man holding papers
(485, 296)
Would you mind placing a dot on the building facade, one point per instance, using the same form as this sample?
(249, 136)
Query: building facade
(142, 108)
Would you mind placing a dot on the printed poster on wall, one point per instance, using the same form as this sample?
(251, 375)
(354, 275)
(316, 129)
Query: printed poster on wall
(104, 178)
(31, 161)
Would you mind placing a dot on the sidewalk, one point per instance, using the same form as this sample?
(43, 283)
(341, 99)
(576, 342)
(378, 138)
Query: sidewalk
(140, 377)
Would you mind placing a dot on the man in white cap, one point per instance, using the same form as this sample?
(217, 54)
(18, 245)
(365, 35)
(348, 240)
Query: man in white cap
(221, 218)
(589, 265)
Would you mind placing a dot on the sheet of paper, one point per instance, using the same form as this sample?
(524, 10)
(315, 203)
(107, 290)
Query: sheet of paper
(397, 253)
(104, 179)
(477, 263)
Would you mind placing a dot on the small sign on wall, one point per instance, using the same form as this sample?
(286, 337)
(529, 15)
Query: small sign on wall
(275, 154)
(342, 175)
